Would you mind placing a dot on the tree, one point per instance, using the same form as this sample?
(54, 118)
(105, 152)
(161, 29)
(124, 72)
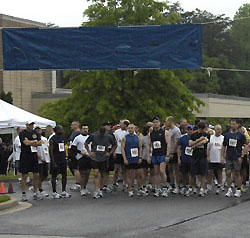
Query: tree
(111, 95)
(7, 97)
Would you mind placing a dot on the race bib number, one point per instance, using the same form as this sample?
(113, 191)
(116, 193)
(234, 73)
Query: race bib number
(33, 149)
(189, 151)
(134, 152)
(232, 142)
(157, 145)
(100, 148)
(61, 147)
(45, 150)
(217, 145)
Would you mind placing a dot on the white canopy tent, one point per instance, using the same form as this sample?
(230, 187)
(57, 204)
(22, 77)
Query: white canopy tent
(12, 117)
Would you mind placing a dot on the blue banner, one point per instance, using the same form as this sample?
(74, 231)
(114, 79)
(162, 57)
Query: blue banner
(103, 48)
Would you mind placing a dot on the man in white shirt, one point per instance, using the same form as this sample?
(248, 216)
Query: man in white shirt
(214, 158)
(118, 159)
(43, 160)
(82, 156)
(17, 150)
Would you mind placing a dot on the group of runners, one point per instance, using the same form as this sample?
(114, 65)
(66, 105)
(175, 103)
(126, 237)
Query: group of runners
(162, 159)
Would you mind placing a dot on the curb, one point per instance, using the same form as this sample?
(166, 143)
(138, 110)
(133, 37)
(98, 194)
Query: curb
(9, 204)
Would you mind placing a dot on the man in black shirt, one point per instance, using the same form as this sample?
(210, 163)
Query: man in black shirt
(99, 155)
(29, 139)
(58, 161)
(199, 165)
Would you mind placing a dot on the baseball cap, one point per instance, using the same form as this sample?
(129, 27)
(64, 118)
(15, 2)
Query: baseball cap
(30, 122)
(190, 127)
(107, 123)
(156, 118)
(38, 127)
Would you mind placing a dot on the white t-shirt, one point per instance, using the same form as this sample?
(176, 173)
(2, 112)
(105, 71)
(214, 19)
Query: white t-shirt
(79, 143)
(17, 145)
(43, 150)
(119, 134)
(215, 146)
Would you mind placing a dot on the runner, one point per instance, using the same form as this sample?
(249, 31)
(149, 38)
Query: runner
(199, 165)
(58, 162)
(173, 166)
(147, 168)
(73, 163)
(118, 159)
(43, 160)
(17, 149)
(29, 139)
(99, 156)
(233, 154)
(132, 154)
(214, 158)
(185, 158)
(160, 142)
(82, 156)
(104, 186)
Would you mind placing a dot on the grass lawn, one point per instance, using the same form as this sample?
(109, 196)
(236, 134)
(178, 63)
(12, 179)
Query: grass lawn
(4, 198)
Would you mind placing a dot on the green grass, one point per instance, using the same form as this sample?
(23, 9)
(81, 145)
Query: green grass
(4, 198)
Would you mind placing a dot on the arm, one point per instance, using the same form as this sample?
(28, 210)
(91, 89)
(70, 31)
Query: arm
(197, 142)
(123, 151)
(167, 139)
(179, 154)
(140, 150)
(149, 150)
(208, 153)
(51, 148)
(223, 154)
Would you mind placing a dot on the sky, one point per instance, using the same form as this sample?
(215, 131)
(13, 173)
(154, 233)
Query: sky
(66, 13)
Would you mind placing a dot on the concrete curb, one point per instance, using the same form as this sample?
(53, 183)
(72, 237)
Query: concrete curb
(9, 204)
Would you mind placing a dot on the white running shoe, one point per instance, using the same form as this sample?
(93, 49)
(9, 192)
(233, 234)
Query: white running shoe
(75, 188)
(237, 193)
(195, 190)
(141, 192)
(170, 189)
(107, 190)
(64, 194)
(95, 195)
(176, 190)
(100, 194)
(37, 196)
(84, 192)
(229, 193)
(164, 192)
(44, 194)
(202, 192)
(56, 195)
(131, 194)
(217, 191)
(189, 192)
(24, 198)
(209, 187)
(149, 186)
(157, 192)
(31, 189)
(182, 191)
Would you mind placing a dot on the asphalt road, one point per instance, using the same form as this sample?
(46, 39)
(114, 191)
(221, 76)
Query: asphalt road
(117, 215)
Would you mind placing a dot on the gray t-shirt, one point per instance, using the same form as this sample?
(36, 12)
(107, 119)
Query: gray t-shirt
(174, 133)
(100, 145)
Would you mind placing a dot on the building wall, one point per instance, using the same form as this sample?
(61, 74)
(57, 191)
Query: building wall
(224, 106)
(23, 83)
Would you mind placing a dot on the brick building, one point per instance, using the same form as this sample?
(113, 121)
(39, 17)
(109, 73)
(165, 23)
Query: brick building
(30, 89)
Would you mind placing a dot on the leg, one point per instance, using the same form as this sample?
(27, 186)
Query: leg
(97, 179)
(140, 178)
(229, 178)
(171, 174)
(23, 182)
(36, 181)
(157, 175)
(177, 173)
(163, 174)
(236, 175)
(117, 170)
(130, 179)
(203, 181)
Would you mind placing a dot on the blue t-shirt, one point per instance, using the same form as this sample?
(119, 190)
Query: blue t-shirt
(234, 143)
(185, 150)
(132, 149)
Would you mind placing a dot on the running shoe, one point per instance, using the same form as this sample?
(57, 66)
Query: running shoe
(56, 195)
(37, 196)
(131, 194)
(64, 194)
(237, 193)
(24, 198)
(100, 194)
(157, 192)
(164, 192)
(229, 193)
(44, 194)
(176, 190)
(189, 192)
(202, 192)
(84, 192)
(75, 188)
(95, 195)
